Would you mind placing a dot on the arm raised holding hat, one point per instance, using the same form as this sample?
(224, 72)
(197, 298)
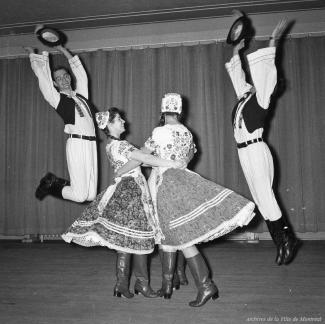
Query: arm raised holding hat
(77, 69)
(41, 68)
(248, 119)
(76, 112)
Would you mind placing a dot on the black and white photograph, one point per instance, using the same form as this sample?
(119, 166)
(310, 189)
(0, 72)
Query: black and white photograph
(162, 161)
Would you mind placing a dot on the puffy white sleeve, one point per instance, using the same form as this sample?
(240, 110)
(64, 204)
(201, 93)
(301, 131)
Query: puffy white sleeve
(264, 74)
(80, 75)
(41, 67)
(151, 143)
(237, 76)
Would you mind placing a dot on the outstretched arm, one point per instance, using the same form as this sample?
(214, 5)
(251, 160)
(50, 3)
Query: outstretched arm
(130, 165)
(151, 160)
(77, 69)
(138, 157)
(64, 51)
(41, 67)
(278, 32)
(236, 72)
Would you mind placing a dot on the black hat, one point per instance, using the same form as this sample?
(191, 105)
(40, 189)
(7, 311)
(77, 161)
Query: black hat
(239, 30)
(50, 36)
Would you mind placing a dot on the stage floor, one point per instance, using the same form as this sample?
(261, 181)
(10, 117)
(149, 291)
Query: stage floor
(59, 283)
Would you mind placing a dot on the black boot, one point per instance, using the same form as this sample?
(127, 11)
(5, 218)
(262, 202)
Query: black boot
(51, 185)
(206, 287)
(180, 268)
(276, 236)
(290, 242)
(168, 269)
(121, 288)
(142, 284)
(284, 239)
(176, 280)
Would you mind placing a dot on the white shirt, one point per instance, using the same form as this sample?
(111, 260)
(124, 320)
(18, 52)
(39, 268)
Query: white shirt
(41, 67)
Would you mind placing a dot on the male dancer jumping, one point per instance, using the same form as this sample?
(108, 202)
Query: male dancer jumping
(77, 113)
(248, 124)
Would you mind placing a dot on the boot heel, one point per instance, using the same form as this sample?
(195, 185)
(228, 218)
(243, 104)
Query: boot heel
(176, 287)
(117, 294)
(167, 296)
(215, 296)
(137, 292)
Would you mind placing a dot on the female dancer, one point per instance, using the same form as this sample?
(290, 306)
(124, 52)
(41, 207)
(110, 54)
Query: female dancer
(190, 208)
(122, 217)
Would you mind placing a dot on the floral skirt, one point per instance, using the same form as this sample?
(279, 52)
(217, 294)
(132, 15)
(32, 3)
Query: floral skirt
(122, 225)
(192, 209)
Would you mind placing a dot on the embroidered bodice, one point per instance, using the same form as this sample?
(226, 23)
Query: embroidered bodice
(171, 142)
(118, 153)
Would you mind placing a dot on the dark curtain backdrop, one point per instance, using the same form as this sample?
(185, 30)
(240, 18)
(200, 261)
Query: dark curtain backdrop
(32, 139)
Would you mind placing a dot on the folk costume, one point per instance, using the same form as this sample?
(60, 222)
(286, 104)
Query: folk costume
(77, 113)
(190, 208)
(248, 120)
(122, 218)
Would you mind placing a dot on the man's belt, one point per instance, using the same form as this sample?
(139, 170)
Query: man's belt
(84, 137)
(245, 144)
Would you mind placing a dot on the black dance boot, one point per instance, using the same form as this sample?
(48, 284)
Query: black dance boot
(51, 185)
(176, 281)
(285, 240)
(142, 284)
(276, 236)
(290, 242)
(168, 269)
(180, 268)
(206, 287)
(121, 288)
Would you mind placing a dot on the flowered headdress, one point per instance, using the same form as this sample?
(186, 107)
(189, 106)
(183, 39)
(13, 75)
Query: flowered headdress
(102, 119)
(171, 102)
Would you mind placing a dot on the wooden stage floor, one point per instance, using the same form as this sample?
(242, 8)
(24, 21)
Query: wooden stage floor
(58, 283)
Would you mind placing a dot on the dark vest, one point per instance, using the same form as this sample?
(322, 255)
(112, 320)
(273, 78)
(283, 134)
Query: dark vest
(66, 108)
(253, 114)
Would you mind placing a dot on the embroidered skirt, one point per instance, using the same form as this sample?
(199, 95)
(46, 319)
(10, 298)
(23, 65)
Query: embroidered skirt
(192, 209)
(124, 222)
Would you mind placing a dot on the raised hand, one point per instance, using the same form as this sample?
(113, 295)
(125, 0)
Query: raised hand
(278, 31)
(238, 47)
(280, 28)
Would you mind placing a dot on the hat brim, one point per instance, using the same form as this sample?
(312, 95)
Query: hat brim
(238, 31)
(50, 37)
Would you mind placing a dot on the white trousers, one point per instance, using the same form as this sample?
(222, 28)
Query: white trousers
(82, 166)
(257, 164)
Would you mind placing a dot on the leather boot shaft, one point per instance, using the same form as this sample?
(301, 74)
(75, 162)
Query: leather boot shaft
(168, 269)
(142, 285)
(180, 268)
(284, 239)
(123, 269)
(206, 287)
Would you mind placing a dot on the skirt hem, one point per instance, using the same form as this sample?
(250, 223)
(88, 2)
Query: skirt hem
(86, 241)
(239, 220)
